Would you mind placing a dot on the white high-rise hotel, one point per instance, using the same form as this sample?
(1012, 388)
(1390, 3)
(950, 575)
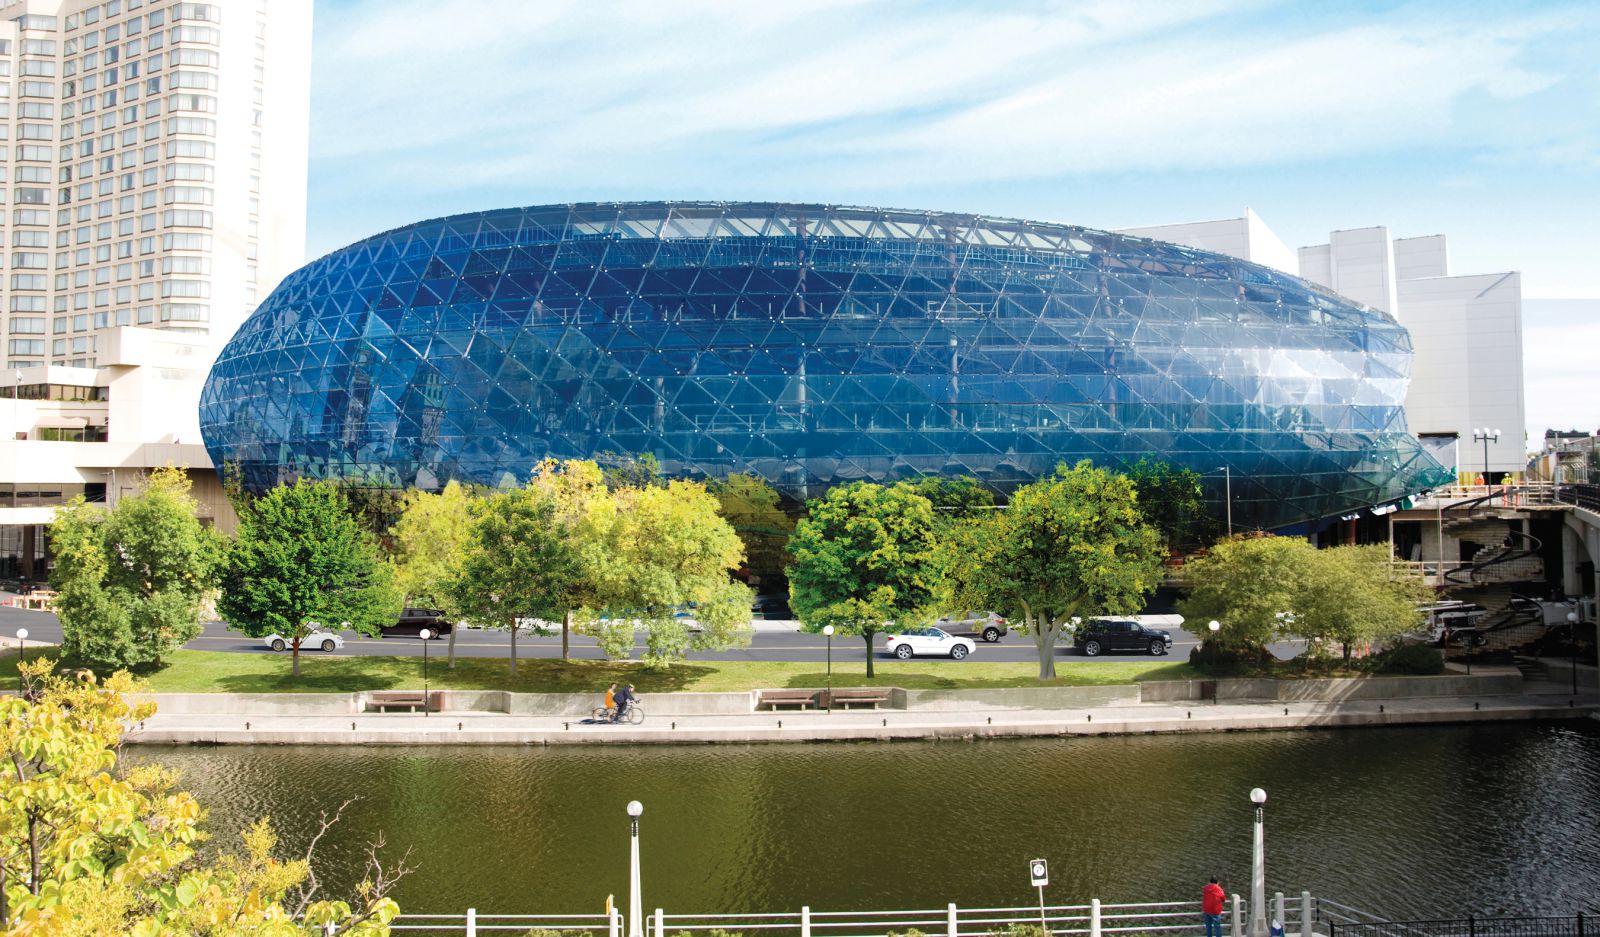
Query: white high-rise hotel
(153, 182)
(1466, 330)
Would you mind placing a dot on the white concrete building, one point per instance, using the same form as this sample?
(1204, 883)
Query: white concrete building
(1466, 330)
(153, 186)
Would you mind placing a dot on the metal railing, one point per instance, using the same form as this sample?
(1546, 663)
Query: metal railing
(1299, 917)
(1569, 926)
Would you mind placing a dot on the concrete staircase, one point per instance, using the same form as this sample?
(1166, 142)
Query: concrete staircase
(1504, 553)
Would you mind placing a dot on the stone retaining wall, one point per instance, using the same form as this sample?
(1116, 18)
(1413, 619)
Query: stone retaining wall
(1499, 682)
(1043, 697)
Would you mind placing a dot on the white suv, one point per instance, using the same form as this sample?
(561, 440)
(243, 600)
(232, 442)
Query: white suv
(929, 642)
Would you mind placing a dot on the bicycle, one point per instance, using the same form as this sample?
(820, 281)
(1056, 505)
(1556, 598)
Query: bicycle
(633, 716)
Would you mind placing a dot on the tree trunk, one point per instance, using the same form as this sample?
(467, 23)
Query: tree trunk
(1044, 641)
(513, 647)
(868, 636)
(566, 630)
(453, 629)
(294, 656)
(33, 853)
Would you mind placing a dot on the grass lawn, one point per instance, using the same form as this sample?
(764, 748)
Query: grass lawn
(223, 672)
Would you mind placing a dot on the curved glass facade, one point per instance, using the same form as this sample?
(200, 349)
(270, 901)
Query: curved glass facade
(812, 345)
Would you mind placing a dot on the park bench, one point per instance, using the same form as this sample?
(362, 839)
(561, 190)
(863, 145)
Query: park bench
(396, 699)
(804, 699)
(857, 696)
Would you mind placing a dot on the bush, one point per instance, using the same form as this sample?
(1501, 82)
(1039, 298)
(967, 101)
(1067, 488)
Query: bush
(1019, 930)
(1218, 661)
(1408, 659)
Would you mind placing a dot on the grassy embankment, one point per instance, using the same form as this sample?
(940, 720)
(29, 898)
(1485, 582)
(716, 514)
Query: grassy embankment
(225, 672)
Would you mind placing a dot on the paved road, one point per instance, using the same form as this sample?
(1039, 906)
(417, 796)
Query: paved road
(766, 645)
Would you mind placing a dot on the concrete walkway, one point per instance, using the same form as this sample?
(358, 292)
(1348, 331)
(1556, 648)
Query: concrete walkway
(1542, 702)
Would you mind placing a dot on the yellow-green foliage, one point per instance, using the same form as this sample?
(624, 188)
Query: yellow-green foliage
(88, 849)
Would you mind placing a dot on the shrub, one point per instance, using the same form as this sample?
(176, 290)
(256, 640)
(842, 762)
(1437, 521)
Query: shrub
(1019, 930)
(1218, 661)
(1408, 659)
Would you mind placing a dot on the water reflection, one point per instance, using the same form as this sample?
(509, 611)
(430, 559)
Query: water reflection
(1409, 822)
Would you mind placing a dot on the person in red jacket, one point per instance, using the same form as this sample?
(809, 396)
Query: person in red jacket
(1211, 907)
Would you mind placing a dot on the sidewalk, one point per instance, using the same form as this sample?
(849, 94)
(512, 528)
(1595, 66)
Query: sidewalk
(479, 728)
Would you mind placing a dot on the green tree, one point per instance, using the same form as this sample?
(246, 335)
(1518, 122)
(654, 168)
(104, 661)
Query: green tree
(1356, 596)
(1069, 546)
(516, 565)
(630, 471)
(87, 848)
(300, 560)
(954, 498)
(864, 560)
(755, 511)
(667, 551)
(374, 500)
(1172, 499)
(1249, 584)
(585, 510)
(132, 582)
(429, 540)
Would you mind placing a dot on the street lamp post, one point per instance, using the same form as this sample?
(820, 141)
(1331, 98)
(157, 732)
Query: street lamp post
(635, 900)
(22, 645)
(424, 634)
(1486, 436)
(1258, 868)
(1572, 638)
(828, 630)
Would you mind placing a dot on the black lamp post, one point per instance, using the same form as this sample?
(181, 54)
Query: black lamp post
(828, 631)
(1572, 637)
(424, 634)
(1486, 436)
(22, 643)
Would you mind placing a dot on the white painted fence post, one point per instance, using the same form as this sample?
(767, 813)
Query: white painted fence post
(472, 922)
(1235, 922)
(950, 928)
(805, 920)
(616, 923)
(659, 925)
(1277, 912)
(1094, 917)
(1305, 914)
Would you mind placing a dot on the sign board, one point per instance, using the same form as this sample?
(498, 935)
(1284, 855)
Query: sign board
(1040, 872)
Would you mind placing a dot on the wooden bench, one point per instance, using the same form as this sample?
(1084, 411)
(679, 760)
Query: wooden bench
(857, 696)
(803, 699)
(387, 700)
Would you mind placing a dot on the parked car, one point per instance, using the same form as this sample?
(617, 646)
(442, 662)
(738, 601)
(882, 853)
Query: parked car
(929, 642)
(413, 620)
(318, 638)
(986, 625)
(771, 606)
(1099, 635)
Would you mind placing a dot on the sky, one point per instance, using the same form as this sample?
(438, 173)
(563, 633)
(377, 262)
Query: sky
(1480, 121)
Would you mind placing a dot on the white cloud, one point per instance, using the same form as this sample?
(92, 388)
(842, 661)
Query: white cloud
(462, 93)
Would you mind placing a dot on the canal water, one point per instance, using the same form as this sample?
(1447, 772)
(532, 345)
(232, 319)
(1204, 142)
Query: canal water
(1405, 822)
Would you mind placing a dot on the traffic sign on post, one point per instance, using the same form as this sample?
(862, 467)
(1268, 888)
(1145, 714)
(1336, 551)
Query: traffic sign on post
(1040, 872)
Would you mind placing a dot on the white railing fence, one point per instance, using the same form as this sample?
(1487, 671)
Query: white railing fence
(1298, 916)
